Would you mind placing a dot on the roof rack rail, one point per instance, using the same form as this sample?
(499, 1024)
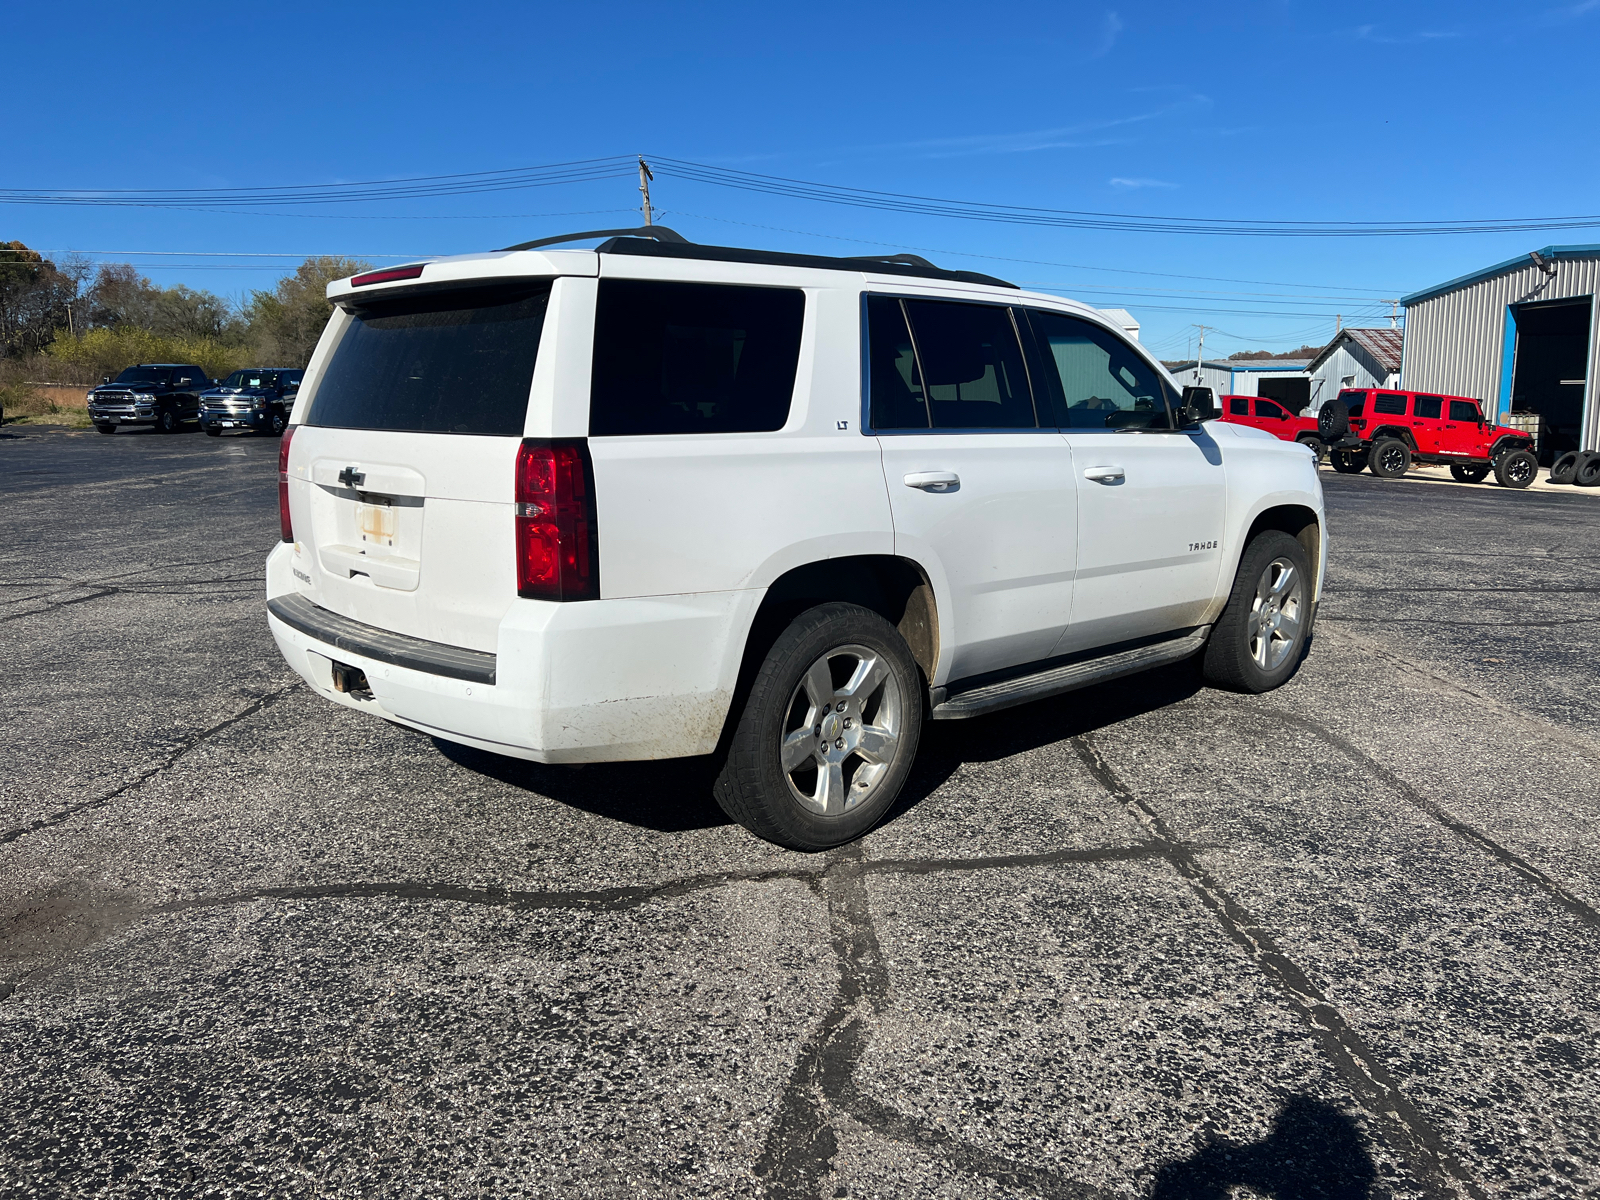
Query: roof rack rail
(659, 232)
(891, 264)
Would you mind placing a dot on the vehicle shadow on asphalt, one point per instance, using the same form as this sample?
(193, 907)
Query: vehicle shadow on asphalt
(674, 796)
(1313, 1149)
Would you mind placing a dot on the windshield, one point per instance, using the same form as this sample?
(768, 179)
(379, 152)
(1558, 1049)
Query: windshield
(145, 375)
(251, 379)
(451, 362)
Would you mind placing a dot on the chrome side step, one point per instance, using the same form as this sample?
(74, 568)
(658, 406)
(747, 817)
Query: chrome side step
(956, 704)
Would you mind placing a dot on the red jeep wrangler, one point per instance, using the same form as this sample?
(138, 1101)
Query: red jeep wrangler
(1388, 431)
(1261, 413)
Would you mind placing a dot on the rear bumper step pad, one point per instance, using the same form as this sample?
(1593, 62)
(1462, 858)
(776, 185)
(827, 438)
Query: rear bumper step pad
(989, 697)
(369, 641)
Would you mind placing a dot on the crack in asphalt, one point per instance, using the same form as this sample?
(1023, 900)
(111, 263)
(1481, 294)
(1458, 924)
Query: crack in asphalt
(1585, 912)
(72, 810)
(1375, 1089)
(72, 585)
(801, 1143)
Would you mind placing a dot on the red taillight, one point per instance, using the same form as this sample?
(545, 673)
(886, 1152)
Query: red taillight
(387, 276)
(283, 485)
(557, 542)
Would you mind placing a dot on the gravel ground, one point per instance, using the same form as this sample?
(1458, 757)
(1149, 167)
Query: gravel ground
(1146, 940)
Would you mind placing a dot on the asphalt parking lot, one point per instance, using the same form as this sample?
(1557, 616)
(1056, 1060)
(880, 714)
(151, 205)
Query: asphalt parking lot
(1147, 940)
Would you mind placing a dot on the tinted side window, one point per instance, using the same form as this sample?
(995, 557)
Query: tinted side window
(1239, 407)
(894, 384)
(972, 367)
(1266, 408)
(450, 362)
(1389, 403)
(1103, 382)
(1465, 410)
(1428, 407)
(693, 357)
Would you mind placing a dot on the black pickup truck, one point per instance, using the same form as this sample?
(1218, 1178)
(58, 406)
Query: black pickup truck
(258, 398)
(165, 395)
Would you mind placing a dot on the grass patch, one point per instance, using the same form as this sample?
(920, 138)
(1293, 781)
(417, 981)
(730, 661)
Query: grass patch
(35, 404)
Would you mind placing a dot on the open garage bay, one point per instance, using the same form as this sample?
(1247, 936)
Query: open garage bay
(1145, 940)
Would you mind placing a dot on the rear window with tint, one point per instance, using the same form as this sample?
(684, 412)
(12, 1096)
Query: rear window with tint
(447, 362)
(693, 357)
(1427, 407)
(1465, 410)
(1389, 403)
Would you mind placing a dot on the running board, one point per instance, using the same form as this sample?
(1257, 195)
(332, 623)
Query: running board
(991, 697)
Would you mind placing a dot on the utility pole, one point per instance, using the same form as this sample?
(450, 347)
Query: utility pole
(1394, 314)
(1338, 323)
(644, 187)
(1200, 354)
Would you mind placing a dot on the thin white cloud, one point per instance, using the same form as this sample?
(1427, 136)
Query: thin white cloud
(1380, 37)
(1110, 26)
(1103, 132)
(1121, 182)
(1570, 12)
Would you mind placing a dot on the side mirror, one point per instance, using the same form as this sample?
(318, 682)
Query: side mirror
(105, 379)
(1190, 416)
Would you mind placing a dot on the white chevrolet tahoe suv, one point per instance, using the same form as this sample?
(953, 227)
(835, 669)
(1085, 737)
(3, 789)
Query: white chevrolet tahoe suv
(659, 499)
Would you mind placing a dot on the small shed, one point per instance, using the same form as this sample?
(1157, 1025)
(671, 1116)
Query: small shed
(1123, 320)
(1356, 358)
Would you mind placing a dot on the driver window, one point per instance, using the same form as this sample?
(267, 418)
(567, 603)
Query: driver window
(1104, 383)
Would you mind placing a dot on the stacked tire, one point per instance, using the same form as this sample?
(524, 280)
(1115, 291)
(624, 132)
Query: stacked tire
(1581, 467)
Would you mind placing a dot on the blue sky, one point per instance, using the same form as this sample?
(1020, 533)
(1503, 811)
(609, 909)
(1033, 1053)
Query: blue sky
(1259, 111)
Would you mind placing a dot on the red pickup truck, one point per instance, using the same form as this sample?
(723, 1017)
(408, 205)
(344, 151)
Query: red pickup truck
(1261, 413)
(1385, 432)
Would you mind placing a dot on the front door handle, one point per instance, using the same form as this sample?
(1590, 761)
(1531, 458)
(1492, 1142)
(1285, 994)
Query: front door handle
(1105, 474)
(934, 481)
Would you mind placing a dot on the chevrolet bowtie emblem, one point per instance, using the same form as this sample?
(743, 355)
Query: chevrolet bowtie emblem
(351, 477)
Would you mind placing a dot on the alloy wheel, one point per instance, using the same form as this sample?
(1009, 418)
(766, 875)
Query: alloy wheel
(1277, 614)
(842, 730)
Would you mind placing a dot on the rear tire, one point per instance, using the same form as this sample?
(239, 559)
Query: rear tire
(1565, 468)
(1470, 474)
(1517, 469)
(1315, 445)
(1347, 462)
(1390, 458)
(1588, 472)
(828, 733)
(1258, 641)
(1333, 419)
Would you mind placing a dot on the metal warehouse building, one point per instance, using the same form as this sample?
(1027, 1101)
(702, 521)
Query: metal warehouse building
(1356, 358)
(1518, 335)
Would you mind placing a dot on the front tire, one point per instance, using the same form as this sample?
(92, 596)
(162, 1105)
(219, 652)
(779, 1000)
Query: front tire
(1258, 641)
(105, 428)
(1517, 469)
(828, 733)
(213, 431)
(167, 421)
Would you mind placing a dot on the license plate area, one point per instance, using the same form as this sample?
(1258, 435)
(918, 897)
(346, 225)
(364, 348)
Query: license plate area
(376, 522)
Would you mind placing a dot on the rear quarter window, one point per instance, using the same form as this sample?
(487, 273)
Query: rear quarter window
(693, 357)
(444, 362)
(1389, 403)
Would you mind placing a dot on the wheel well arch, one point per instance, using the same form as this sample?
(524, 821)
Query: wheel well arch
(1300, 523)
(1393, 431)
(895, 588)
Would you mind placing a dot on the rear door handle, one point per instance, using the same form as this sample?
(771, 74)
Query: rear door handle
(934, 481)
(1104, 474)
